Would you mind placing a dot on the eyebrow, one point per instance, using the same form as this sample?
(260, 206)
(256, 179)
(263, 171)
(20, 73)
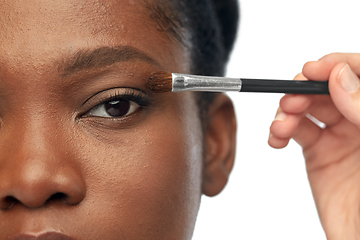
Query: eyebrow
(86, 59)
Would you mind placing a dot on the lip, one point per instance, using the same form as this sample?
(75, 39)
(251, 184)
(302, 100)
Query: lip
(43, 236)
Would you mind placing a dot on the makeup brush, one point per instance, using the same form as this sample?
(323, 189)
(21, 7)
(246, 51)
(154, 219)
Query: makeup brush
(161, 82)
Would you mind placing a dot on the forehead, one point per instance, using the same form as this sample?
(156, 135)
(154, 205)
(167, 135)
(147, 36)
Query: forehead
(35, 31)
(55, 19)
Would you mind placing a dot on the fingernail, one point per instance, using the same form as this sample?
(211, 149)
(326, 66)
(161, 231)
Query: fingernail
(281, 116)
(270, 136)
(349, 81)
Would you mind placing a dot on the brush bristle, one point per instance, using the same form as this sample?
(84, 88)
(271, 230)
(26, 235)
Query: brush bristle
(160, 82)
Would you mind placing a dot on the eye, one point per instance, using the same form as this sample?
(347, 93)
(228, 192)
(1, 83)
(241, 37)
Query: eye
(115, 103)
(114, 109)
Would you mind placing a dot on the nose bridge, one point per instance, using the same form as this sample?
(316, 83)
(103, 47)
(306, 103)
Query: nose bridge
(26, 136)
(36, 164)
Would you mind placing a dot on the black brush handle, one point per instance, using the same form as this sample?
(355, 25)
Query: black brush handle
(285, 86)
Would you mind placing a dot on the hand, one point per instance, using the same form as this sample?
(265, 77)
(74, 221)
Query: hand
(332, 153)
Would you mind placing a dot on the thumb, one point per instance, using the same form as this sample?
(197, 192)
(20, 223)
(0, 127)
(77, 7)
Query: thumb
(344, 86)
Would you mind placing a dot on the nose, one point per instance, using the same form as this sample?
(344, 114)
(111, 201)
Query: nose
(36, 170)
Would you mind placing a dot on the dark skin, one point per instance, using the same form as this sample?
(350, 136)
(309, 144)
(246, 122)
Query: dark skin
(68, 166)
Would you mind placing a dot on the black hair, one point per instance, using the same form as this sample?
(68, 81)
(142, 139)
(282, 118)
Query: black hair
(212, 27)
(207, 29)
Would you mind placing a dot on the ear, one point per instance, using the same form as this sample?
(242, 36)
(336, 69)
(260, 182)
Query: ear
(220, 139)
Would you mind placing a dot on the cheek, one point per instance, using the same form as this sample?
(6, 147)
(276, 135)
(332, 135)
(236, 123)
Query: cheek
(150, 181)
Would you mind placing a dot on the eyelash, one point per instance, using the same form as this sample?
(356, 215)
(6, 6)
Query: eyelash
(131, 95)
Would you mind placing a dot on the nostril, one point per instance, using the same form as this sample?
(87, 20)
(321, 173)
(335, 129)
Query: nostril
(57, 197)
(8, 202)
(37, 186)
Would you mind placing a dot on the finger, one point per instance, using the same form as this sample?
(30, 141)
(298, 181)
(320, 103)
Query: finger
(324, 109)
(278, 142)
(306, 133)
(320, 70)
(295, 103)
(320, 107)
(287, 126)
(284, 124)
(344, 86)
(300, 76)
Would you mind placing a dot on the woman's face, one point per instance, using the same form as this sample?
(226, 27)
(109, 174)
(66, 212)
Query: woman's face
(85, 148)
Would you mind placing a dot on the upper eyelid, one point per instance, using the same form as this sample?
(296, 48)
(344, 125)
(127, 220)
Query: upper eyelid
(125, 89)
(130, 96)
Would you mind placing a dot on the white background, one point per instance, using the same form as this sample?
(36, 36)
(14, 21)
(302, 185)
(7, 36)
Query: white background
(268, 195)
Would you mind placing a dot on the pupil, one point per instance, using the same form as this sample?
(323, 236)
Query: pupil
(117, 108)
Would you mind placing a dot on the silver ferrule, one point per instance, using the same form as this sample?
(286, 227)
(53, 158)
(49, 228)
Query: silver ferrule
(186, 82)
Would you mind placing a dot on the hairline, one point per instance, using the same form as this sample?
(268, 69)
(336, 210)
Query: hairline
(164, 14)
(168, 20)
